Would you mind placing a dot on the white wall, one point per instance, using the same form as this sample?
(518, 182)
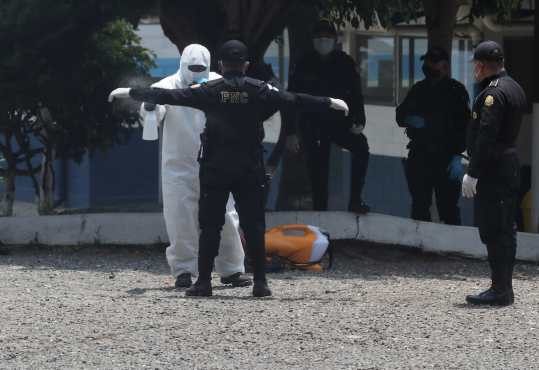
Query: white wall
(385, 137)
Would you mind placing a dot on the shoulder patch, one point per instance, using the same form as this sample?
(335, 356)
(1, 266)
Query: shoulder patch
(494, 83)
(489, 101)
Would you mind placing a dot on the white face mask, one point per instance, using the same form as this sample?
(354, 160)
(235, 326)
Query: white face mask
(324, 45)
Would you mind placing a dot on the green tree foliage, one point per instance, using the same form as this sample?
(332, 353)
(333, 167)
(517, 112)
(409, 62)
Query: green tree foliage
(503, 9)
(354, 11)
(60, 60)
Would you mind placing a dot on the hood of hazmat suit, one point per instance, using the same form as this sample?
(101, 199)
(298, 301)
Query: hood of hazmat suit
(179, 169)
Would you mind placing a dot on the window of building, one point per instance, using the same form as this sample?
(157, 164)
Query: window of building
(461, 65)
(376, 60)
(386, 82)
(410, 51)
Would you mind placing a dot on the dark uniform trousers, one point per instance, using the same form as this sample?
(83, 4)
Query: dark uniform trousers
(496, 204)
(247, 186)
(318, 156)
(427, 172)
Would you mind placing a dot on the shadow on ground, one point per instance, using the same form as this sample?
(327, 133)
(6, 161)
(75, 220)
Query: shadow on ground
(353, 259)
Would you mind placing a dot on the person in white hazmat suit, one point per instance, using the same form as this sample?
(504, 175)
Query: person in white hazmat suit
(180, 181)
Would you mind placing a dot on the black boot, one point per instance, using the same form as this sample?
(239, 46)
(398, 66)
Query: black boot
(492, 297)
(183, 280)
(261, 289)
(236, 280)
(199, 289)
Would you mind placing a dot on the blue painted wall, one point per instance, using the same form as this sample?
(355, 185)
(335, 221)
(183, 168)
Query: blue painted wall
(125, 173)
(165, 67)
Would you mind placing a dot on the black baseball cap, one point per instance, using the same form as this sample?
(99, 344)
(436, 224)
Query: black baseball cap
(324, 26)
(488, 51)
(233, 51)
(436, 54)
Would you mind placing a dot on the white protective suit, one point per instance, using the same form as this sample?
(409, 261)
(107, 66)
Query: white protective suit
(181, 189)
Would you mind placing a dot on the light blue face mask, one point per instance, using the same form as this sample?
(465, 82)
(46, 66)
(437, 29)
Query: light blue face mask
(201, 80)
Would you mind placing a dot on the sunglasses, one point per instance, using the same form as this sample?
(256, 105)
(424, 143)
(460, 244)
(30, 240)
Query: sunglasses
(196, 68)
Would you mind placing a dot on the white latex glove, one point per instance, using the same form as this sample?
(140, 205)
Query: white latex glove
(292, 143)
(469, 185)
(119, 93)
(339, 104)
(357, 129)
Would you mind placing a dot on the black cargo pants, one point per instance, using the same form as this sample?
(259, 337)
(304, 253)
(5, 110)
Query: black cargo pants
(496, 204)
(247, 185)
(317, 144)
(427, 172)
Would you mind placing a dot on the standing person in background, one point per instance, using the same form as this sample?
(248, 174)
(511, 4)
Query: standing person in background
(435, 114)
(330, 72)
(493, 175)
(181, 188)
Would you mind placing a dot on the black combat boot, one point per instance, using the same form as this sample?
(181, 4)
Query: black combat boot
(261, 289)
(492, 297)
(236, 280)
(183, 280)
(199, 289)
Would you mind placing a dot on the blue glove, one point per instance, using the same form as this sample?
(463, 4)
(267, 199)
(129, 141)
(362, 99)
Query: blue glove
(415, 121)
(455, 168)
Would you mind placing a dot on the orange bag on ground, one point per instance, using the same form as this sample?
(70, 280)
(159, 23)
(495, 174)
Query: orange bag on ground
(303, 246)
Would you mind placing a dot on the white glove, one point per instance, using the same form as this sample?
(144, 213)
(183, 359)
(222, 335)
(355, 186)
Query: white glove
(119, 93)
(469, 185)
(339, 104)
(357, 129)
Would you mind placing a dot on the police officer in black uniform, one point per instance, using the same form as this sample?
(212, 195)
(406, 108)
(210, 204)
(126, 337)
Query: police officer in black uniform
(435, 114)
(493, 173)
(330, 72)
(231, 156)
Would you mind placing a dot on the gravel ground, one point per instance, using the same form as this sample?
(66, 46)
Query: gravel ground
(380, 308)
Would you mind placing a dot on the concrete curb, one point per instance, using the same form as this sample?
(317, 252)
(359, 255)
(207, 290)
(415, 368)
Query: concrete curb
(149, 228)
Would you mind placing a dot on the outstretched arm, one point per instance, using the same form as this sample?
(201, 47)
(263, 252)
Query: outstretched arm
(195, 97)
(288, 100)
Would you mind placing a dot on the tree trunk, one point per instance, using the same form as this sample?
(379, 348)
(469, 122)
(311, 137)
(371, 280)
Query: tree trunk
(46, 188)
(535, 127)
(255, 22)
(8, 196)
(440, 18)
